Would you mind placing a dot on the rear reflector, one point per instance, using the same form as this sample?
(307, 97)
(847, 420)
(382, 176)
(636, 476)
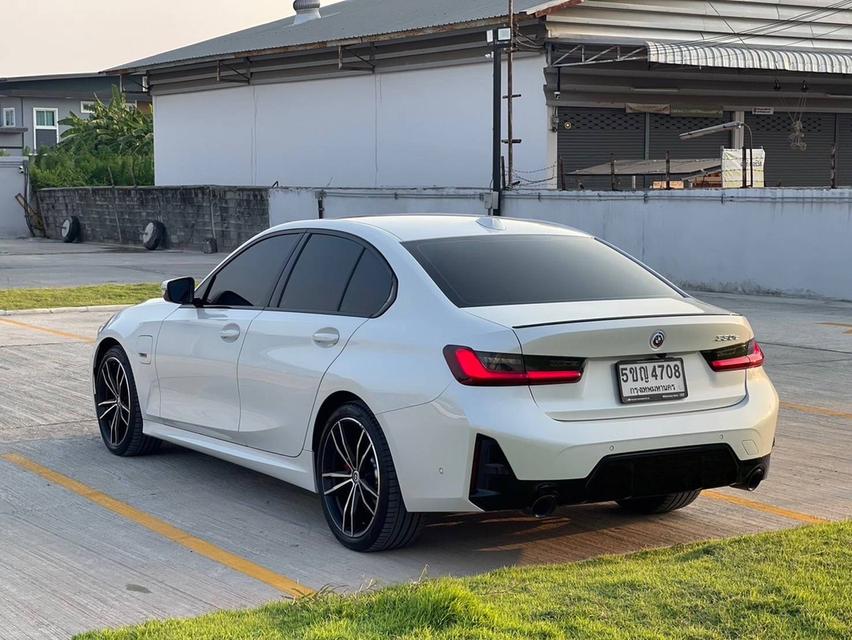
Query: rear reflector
(744, 356)
(481, 369)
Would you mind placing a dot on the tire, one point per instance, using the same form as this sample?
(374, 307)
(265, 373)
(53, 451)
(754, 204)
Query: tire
(660, 504)
(390, 526)
(153, 235)
(70, 231)
(120, 423)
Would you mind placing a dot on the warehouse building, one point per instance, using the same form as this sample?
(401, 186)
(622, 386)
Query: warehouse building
(399, 93)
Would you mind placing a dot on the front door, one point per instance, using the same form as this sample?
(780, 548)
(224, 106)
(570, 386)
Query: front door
(198, 348)
(336, 284)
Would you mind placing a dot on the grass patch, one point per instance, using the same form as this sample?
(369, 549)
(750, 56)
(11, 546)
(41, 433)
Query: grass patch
(19, 299)
(791, 584)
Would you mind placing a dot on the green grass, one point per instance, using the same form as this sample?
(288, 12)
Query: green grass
(792, 584)
(104, 294)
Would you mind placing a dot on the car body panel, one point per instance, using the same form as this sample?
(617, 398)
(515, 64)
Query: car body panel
(197, 354)
(606, 343)
(280, 370)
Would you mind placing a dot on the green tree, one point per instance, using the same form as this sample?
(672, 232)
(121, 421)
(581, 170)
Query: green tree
(113, 146)
(113, 128)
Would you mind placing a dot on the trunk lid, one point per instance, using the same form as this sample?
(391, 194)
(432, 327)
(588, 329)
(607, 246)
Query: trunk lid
(609, 332)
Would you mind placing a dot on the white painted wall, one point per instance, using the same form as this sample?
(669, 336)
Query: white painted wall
(12, 224)
(204, 138)
(794, 242)
(424, 127)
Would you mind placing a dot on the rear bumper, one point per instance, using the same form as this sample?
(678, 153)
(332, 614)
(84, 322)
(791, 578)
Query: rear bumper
(495, 487)
(434, 445)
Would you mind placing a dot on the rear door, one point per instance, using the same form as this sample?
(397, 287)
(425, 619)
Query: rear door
(336, 284)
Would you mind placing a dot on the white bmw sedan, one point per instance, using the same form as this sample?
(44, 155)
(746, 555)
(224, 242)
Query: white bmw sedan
(406, 365)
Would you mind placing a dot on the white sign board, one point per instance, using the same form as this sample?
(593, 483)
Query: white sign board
(732, 168)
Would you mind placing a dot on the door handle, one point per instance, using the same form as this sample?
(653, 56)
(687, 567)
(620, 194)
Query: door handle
(327, 337)
(230, 333)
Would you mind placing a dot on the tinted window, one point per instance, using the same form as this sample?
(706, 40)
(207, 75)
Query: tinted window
(321, 275)
(484, 271)
(248, 279)
(370, 287)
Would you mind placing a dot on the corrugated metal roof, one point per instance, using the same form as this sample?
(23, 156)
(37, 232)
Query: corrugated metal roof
(342, 21)
(743, 56)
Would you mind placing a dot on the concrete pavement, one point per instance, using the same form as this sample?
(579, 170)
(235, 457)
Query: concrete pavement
(69, 564)
(32, 262)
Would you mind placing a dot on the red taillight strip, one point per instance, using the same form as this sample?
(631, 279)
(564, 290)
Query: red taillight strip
(752, 361)
(469, 370)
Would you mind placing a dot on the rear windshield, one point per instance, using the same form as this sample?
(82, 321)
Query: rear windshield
(486, 271)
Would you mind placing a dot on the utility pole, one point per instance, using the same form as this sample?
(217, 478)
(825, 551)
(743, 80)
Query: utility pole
(510, 155)
(497, 143)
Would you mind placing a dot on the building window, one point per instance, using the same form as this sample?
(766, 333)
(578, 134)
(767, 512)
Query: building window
(46, 127)
(87, 107)
(9, 117)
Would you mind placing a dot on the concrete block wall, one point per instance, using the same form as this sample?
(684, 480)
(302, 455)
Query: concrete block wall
(191, 215)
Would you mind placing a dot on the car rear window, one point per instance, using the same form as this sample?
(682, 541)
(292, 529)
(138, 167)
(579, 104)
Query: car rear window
(485, 271)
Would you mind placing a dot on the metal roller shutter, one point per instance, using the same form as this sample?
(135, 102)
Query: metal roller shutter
(789, 167)
(593, 136)
(844, 149)
(665, 136)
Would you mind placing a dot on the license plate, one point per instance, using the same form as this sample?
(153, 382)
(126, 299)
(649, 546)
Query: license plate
(651, 381)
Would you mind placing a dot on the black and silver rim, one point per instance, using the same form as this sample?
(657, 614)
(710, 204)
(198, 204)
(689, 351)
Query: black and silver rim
(351, 481)
(113, 401)
(149, 232)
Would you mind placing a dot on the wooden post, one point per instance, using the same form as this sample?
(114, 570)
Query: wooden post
(612, 179)
(668, 170)
(834, 166)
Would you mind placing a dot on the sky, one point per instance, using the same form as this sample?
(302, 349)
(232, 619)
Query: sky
(41, 37)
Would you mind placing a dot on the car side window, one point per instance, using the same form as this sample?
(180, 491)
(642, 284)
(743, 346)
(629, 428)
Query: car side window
(369, 289)
(248, 279)
(321, 275)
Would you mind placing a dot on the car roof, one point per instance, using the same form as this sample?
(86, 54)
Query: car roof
(407, 228)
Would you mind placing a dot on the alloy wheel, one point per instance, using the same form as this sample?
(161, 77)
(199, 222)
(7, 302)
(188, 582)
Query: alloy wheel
(113, 401)
(350, 477)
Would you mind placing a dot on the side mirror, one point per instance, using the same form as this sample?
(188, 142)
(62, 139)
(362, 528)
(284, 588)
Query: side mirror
(180, 291)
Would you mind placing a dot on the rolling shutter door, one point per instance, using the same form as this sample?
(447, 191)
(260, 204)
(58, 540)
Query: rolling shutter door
(588, 137)
(665, 136)
(844, 149)
(789, 167)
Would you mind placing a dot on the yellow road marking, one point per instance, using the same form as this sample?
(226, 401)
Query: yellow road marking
(152, 523)
(765, 508)
(53, 332)
(839, 324)
(817, 411)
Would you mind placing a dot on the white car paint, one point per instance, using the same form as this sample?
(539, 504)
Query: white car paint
(254, 399)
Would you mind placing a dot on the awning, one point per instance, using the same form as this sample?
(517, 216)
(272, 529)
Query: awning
(676, 167)
(743, 56)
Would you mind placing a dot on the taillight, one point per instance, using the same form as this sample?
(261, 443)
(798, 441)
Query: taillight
(482, 369)
(736, 358)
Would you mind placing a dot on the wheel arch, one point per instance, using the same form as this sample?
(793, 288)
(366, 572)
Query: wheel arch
(105, 345)
(329, 406)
